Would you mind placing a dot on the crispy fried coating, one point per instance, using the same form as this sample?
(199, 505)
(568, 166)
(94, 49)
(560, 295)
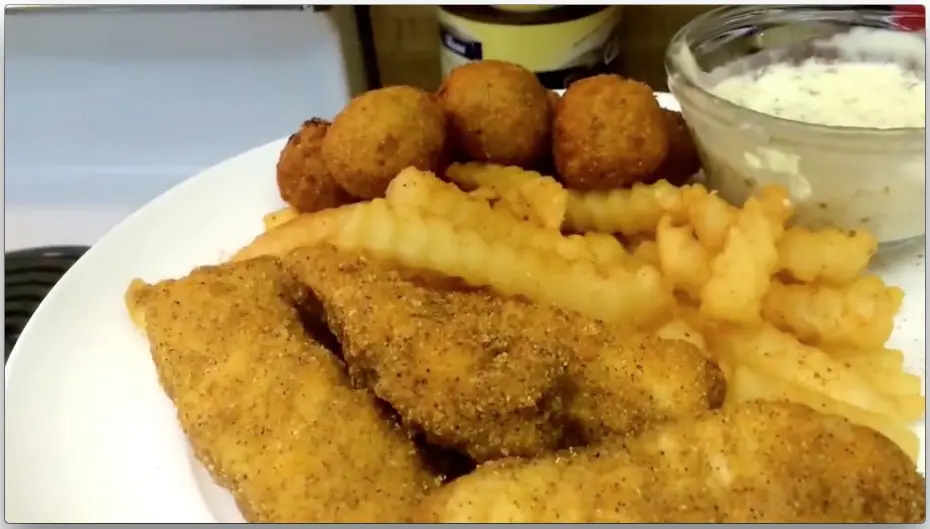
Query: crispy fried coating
(621, 383)
(682, 161)
(495, 376)
(608, 132)
(267, 410)
(303, 181)
(381, 132)
(498, 112)
(474, 371)
(757, 462)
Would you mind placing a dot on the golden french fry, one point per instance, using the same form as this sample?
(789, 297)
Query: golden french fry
(647, 252)
(279, 217)
(500, 178)
(710, 215)
(679, 329)
(527, 195)
(859, 314)
(433, 197)
(911, 407)
(303, 230)
(827, 255)
(780, 354)
(134, 298)
(879, 359)
(748, 384)
(682, 259)
(897, 383)
(531, 201)
(635, 297)
(741, 273)
(632, 211)
(484, 193)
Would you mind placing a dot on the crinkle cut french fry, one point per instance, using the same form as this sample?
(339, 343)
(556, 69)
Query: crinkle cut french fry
(881, 359)
(859, 314)
(541, 202)
(529, 195)
(305, 229)
(279, 217)
(683, 260)
(780, 354)
(741, 273)
(647, 252)
(637, 297)
(710, 215)
(679, 329)
(828, 255)
(500, 178)
(632, 211)
(748, 384)
(892, 382)
(433, 197)
(911, 407)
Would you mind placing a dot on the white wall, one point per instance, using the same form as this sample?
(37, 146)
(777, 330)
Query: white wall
(107, 108)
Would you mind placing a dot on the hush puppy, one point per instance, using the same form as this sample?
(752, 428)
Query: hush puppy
(498, 112)
(608, 132)
(381, 132)
(303, 181)
(682, 160)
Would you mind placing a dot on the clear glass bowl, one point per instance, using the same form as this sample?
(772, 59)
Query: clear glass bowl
(847, 177)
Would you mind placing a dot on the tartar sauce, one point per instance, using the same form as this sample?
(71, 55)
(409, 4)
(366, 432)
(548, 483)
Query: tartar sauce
(867, 179)
(841, 94)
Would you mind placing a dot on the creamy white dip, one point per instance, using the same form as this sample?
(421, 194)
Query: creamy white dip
(859, 179)
(854, 94)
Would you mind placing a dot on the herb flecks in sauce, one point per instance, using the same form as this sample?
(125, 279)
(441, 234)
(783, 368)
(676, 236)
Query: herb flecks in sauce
(844, 94)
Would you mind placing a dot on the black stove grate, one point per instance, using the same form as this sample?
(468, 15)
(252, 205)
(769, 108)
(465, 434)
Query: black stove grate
(30, 274)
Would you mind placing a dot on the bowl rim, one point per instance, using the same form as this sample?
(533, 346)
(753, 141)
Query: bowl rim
(679, 40)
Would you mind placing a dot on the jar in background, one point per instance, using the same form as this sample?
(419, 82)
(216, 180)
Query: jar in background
(848, 177)
(558, 43)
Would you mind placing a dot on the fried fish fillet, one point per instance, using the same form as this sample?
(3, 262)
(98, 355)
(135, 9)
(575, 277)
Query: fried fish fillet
(474, 371)
(758, 462)
(269, 411)
(622, 382)
(495, 376)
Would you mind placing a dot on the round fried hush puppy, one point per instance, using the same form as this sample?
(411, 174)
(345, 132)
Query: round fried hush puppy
(682, 160)
(608, 132)
(498, 112)
(303, 180)
(381, 132)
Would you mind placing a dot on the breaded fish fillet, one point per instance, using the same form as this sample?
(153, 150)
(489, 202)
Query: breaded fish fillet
(474, 371)
(494, 376)
(269, 411)
(758, 462)
(622, 382)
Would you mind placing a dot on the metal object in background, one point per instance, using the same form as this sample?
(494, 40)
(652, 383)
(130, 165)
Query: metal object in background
(30, 275)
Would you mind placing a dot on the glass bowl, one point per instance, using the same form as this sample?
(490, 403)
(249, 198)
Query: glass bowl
(847, 177)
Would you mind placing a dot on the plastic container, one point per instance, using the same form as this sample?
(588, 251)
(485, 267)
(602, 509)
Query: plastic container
(848, 177)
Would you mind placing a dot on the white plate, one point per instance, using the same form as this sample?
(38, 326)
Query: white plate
(91, 437)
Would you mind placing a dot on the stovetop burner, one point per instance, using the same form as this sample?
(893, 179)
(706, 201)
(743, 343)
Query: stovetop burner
(30, 274)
